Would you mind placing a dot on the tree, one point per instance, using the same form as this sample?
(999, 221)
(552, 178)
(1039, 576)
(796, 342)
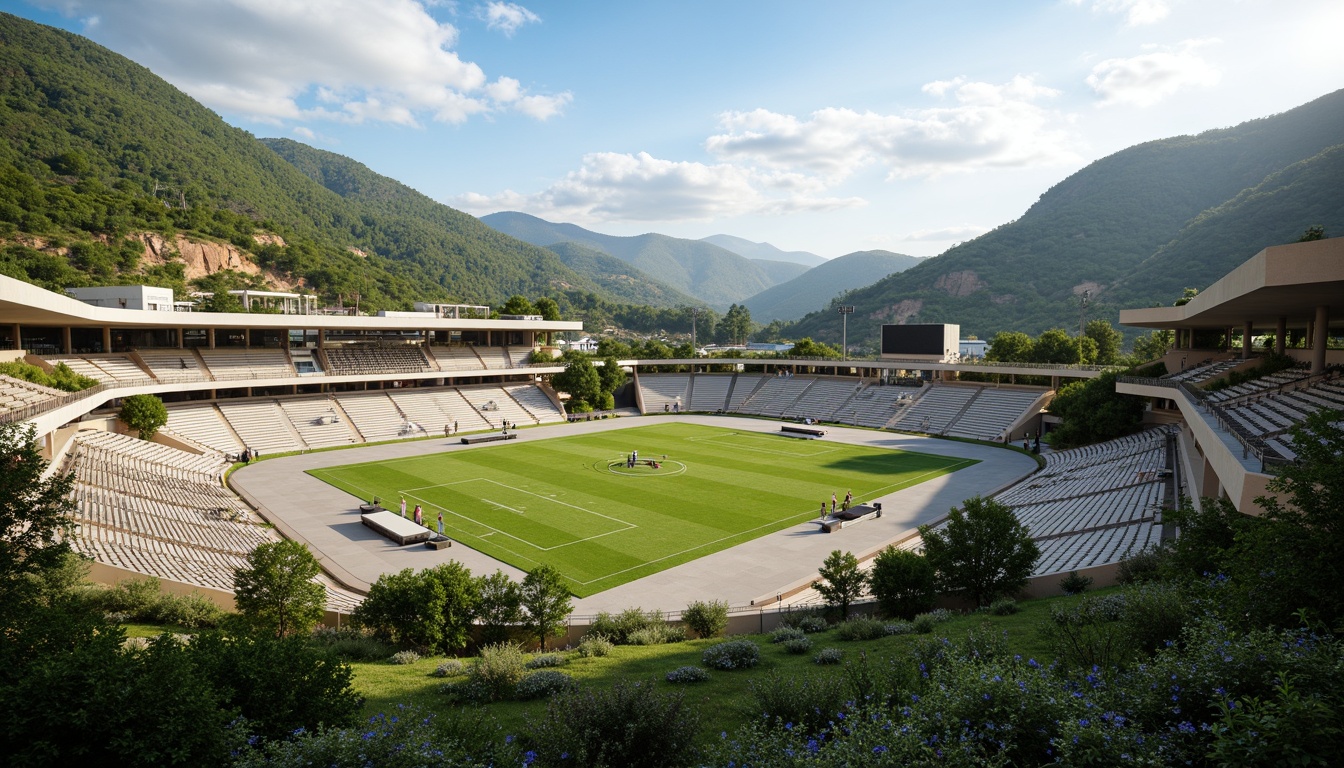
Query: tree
(611, 375)
(500, 608)
(35, 514)
(806, 347)
(1091, 411)
(841, 581)
(1108, 341)
(517, 305)
(461, 598)
(1186, 296)
(1058, 347)
(1316, 232)
(736, 325)
(706, 619)
(1010, 347)
(983, 552)
(580, 379)
(145, 413)
(547, 308)
(276, 593)
(1153, 345)
(222, 301)
(903, 582)
(546, 603)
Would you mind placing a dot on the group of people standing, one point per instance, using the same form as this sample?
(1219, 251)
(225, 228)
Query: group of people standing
(419, 515)
(844, 505)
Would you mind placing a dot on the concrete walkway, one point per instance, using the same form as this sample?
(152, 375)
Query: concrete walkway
(327, 519)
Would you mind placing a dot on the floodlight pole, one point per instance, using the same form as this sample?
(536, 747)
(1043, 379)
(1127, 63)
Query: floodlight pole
(1082, 323)
(845, 311)
(695, 312)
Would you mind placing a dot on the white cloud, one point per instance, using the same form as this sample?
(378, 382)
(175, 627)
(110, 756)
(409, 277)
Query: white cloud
(612, 186)
(507, 17)
(946, 234)
(1136, 12)
(345, 60)
(305, 133)
(1151, 77)
(989, 126)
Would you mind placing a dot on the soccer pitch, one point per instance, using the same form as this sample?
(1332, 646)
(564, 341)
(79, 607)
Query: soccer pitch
(573, 503)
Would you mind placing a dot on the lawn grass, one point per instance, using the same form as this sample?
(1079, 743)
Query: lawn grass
(725, 700)
(572, 503)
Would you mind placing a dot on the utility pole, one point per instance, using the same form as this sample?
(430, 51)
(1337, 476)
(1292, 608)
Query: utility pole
(1082, 323)
(695, 312)
(845, 311)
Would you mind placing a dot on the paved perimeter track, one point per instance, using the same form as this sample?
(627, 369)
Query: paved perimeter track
(327, 519)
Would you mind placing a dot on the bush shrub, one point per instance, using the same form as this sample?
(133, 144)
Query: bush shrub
(688, 674)
(350, 644)
(498, 670)
(706, 619)
(404, 657)
(546, 682)
(1087, 634)
(860, 629)
(1073, 584)
(1148, 564)
(1003, 607)
(811, 623)
(784, 632)
(630, 723)
(593, 646)
(191, 611)
(449, 668)
(899, 628)
(798, 645)
(657, 634)
(545, 661)
(732, 654)
(829, 656)
(619, 627)
(805, 703)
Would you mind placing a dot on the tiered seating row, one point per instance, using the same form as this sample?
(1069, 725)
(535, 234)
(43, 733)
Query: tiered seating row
(934, 411)
(1264, 384)
(661, 391)
(1204, 371)
(456, 359)
(744, 385)
(493, 357)
(248, 363)
(536, 402)
(376, 416)
(1083, 550)
(358, 361)
(262, 426)
(102, 368)
(16, 394)
(320, 423)
(205, 465)
(1125, 505)
(172, 364)
(205, 425)
(992, 412)
(777, 396)
(711, 391)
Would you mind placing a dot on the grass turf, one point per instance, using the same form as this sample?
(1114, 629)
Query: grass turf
(571, 502)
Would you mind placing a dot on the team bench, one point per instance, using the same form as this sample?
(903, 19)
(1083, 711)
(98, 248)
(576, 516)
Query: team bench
(791, 431)
(489, 438)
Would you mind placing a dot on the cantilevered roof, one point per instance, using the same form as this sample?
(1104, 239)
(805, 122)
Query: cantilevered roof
(28, 304)
(1288, 281)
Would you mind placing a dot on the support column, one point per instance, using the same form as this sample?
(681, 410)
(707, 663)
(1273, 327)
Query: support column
(16, 333)
(107, 338)
(1319, 337)
(1280, 335)
(1246, 340)
(210, 337)
(66, 345)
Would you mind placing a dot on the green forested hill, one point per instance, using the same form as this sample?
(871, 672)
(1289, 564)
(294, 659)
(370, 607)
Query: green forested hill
(94, 146)
(715, 276)
(619, 278)
(1146, 205)
(817, 287)
(763, 251)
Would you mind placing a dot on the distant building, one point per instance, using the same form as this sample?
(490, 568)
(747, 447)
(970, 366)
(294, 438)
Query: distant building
(972, 348)
(145, 297)
(586, 344)
(761, 346)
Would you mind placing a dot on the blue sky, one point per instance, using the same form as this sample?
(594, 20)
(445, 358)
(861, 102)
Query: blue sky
(832, 128)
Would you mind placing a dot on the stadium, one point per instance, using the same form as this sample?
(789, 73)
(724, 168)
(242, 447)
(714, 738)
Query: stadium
(349, 412)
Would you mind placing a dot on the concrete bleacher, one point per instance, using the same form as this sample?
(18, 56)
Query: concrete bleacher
(17, 394)
(537, 403)
(1206, 370)
(459, 410)
(319, 422)
(1100, 547)
(420, 408)
(203, 423)
(366, 361)
(776, 395)
(876, 406)
(233, 363)
(518, 356)
(262, 425)
(661, 391)
(710, 392)
(744, 386)
(936, 408)
(172, 364)
(375, 415)
(504, 407)
(992, 412)
(456, 358)
(826, 399)
(493, 357)
(102, 368)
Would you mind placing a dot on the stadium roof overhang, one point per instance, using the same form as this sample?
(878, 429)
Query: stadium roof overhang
(1288, 281)
(28, 304)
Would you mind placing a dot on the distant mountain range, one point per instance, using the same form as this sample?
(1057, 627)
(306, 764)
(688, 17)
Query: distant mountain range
(763, 251)
(711, 274)
(818, 287)
(1132, 229)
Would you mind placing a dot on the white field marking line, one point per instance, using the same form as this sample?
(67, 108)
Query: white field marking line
(333, 482)
(720, 439)
(427, 502)
(502, 506)
(748, 530)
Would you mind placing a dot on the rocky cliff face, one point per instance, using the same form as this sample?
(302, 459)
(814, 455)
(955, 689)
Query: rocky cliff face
(205, 258)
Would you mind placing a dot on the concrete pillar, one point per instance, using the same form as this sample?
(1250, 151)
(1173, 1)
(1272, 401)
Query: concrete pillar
(1319, 338)
(16, 333)
(66, 345)
(181, 337)
(1246, 340)
(107, 338)
(210, 336)
(1280, 335)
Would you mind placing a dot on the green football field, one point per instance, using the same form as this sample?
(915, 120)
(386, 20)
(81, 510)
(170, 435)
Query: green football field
(573, 503)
